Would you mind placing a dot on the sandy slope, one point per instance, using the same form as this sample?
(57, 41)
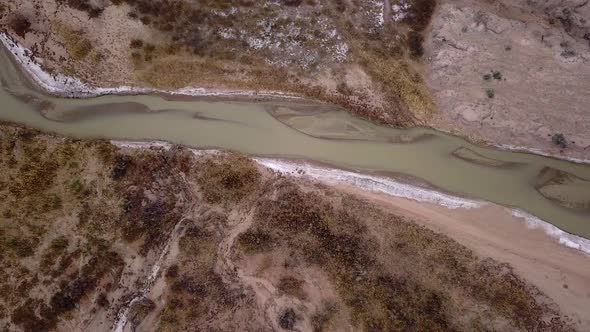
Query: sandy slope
(491, 231)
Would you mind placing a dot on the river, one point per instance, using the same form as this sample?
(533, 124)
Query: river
(298, 129)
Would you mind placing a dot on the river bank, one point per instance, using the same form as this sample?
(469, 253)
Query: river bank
(556, 262)
(61, 85)
(64, 86)
(391, 187)
(309, 132)
(148, 237)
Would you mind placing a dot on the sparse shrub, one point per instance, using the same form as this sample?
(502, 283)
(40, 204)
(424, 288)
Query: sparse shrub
(85, 6)
(415, 41)
(497, 75)
(293, 3)
(490, 93)
(21, 247)
(420, 13)
(120, 166)
(172, 271)
(340, 5)
(139, 310)
(229, 178)
(189, 285)
(77, 45)
(76, 186)
(136, 43)
(102, 300)
(81, 49)
(487, 77)
(60, 243)
(136, 57)
(51, 202)
(21, 25)
(287, 319)
(253, 241)
(149, 48)
(344, 89)
(559, 140)
(68, 297)
(321, 319)
(291, 286)
(26, 317)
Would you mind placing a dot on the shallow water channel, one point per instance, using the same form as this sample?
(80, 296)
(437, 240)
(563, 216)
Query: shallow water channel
(305, 130)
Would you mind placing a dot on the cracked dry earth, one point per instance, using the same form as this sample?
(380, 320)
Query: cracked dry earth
(96, 237)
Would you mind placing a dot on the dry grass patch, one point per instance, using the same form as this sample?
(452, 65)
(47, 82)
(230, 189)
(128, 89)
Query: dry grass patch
(228, 178)
(292, 286)
(75, 41)
(414, 280)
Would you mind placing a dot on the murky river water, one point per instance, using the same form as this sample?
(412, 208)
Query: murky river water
(309, 131)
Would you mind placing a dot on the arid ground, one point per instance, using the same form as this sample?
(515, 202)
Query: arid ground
(509, 73)
(174, 240)
(97, 236)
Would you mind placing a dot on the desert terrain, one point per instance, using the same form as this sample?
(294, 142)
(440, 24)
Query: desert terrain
(512, 74)
(97, 236)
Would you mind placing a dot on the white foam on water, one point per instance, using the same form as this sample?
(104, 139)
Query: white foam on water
(371, 183)
(565, 238)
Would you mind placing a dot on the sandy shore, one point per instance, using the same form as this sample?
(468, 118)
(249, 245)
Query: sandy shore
(560, 272)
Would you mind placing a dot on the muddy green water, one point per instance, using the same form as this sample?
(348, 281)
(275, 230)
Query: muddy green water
(299, 130)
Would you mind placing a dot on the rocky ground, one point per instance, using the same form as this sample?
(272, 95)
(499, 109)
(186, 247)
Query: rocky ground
(513, 72)
(94, 236)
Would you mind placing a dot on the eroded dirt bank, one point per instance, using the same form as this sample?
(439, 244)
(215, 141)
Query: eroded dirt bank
(237, 247)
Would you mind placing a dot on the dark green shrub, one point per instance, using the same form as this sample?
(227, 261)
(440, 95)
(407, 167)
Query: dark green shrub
(21, 25)
(415, 41)
(136, 43)
(490, 93)
(559, 140)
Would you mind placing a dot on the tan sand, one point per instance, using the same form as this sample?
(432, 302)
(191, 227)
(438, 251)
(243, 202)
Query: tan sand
(561, 273)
